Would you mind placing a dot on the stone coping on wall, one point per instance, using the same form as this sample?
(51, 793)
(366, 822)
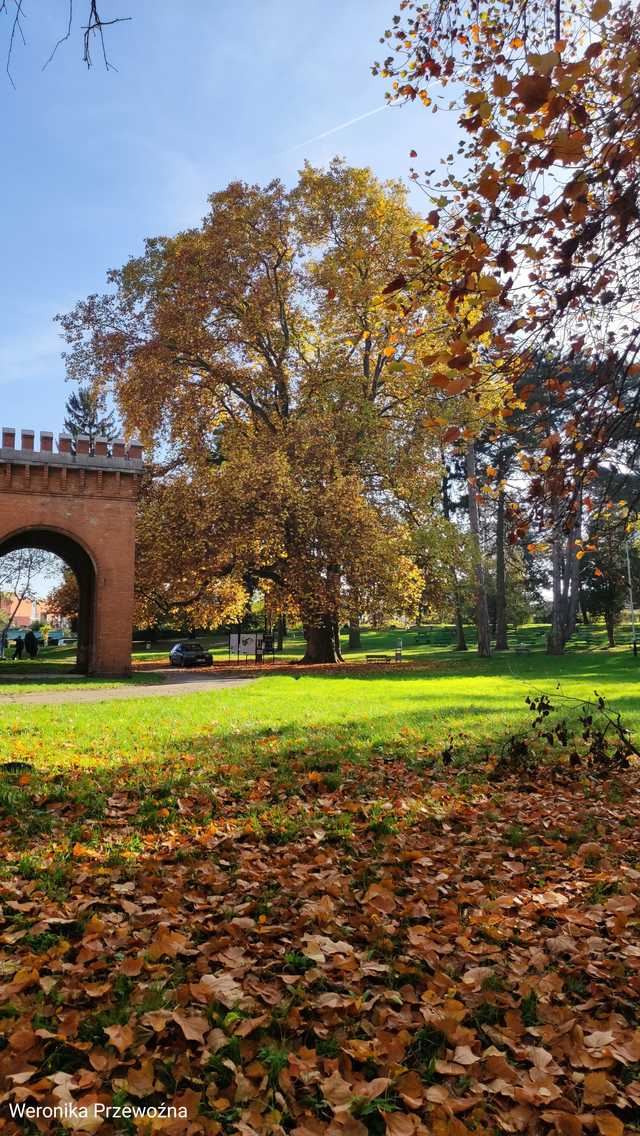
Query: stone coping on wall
(107, 455)
(81, 461)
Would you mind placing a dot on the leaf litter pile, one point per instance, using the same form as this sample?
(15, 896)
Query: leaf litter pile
(321, 946)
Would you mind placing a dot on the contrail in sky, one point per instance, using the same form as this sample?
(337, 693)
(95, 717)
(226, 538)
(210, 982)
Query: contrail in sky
(335, 129)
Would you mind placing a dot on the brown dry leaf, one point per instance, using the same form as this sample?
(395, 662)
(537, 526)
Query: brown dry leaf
(597, 1087)
(608, 1124)
(318, 947)
(141, 1080)
(411, 1089)
(132, 967)
(464, 1056)
(476, 975)
(533, 91)
(193, 1026)
(156, 1019)
(22, 1039)
(381, 898)
(220, 988)
(121, 1037)
(369, 1090)
(337, 1092)
(566, 1123)
(166, 942)
(399, 1124)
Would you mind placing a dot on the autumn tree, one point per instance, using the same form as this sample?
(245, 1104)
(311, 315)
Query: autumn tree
(606, 590)
(536, 220)
(256, 355)
(19, 571)
(64, 599)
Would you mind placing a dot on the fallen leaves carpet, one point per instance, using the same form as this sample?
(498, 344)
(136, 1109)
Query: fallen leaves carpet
(409, 951)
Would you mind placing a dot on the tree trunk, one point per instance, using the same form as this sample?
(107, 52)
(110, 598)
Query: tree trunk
(354, 633)
(501, 580)
(461, 642)
(482, 609)
(321, 641)
(336, 639)
(555, 640)
(565, 583)
(611, 628)
(281, 631)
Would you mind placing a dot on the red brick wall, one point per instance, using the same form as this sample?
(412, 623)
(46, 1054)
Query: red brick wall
(96, 508)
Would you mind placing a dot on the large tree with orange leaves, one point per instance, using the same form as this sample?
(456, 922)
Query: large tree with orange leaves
(255, 356)
(536, 221)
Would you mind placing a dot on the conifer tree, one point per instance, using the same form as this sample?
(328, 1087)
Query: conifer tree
(87, 413)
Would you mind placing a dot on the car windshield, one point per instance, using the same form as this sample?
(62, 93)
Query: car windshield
(191, 646)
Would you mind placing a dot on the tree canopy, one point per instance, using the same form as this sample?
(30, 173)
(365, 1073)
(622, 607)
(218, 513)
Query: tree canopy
(257, 360)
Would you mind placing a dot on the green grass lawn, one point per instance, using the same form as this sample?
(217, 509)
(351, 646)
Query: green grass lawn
(418, 644)
(53, 669)
(435, 641)
(478, 701)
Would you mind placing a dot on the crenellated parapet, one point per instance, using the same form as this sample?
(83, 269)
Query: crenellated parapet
(110, 468)
(117, 451)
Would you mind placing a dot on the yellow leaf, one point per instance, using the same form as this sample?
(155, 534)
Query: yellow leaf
(544, 63)
(489, 284)
(600, 9)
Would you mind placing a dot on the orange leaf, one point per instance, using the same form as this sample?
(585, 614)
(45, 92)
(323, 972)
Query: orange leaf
(533, 91)
(608, 1124)
(140, 1082)
(121, 1037)
(193, 1026)
(501, 86)
(166, 942)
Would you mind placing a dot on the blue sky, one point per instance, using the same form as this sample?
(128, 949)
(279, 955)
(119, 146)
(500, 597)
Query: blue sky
(206, 91)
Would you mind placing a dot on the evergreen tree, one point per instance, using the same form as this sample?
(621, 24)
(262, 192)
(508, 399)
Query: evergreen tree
(87, 413)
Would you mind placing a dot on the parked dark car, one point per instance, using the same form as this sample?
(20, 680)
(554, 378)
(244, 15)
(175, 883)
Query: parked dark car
(190, 654)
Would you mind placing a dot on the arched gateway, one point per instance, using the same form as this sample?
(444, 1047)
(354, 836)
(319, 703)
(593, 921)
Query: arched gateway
(81, 506)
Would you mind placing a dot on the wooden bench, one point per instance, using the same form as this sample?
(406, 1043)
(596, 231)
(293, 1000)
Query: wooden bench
(522, 648)
(378, 658)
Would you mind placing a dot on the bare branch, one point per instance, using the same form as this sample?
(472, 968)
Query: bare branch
(94, 26)
(16, 26)
(64, 38)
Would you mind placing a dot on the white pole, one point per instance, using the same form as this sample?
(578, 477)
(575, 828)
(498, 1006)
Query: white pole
(633, 613)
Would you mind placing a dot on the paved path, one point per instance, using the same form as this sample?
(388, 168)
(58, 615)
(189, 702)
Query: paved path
(189, 683)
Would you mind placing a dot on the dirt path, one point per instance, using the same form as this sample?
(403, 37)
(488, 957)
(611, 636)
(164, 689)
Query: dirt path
(178, 684)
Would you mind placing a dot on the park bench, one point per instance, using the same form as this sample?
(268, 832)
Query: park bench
(378, 658)
(522, 648)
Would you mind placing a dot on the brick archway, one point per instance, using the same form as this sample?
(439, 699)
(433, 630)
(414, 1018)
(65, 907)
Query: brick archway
(81, 506)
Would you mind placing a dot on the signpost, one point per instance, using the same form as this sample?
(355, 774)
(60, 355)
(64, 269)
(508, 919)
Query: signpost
(250, 645)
